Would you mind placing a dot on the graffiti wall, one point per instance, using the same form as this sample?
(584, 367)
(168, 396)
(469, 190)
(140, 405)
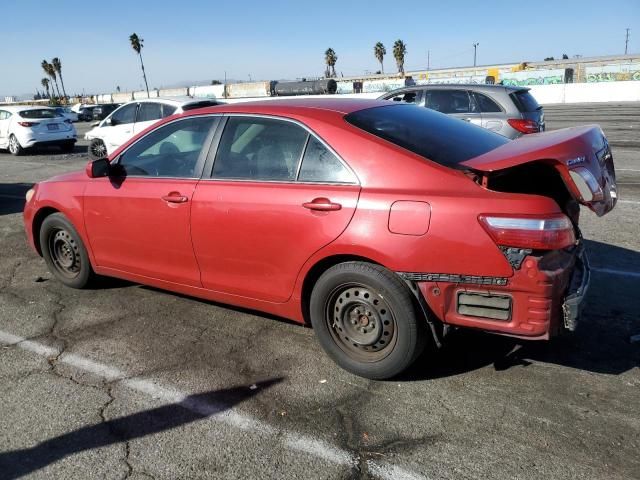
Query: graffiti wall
(613, 73)
(533, 77)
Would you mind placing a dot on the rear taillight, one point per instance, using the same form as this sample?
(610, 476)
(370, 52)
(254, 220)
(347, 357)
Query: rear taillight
(524, 126)
(27, 124)
(551, 232)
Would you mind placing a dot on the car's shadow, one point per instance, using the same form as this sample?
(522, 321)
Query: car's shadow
(12, 197)
(601, 344)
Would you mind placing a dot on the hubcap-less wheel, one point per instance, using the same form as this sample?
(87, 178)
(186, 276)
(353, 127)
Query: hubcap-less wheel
(14, 146)
(65, 253)
(361, 322)
(98, 149)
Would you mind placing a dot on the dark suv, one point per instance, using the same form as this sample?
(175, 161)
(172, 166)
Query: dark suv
(509, 111)
(102, 111)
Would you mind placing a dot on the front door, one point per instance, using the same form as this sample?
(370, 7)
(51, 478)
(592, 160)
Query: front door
(119, 127)
(263, 214)
(4, 127)
(138, 220)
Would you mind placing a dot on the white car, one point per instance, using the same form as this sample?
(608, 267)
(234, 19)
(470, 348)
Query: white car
(23, 127)
(67, 113)
(132, 118)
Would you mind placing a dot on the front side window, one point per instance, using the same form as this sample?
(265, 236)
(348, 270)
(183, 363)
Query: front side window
(449, 101)
(259, 149)
(170, 151)
(149, 111)
(320, 165)
(126, 114)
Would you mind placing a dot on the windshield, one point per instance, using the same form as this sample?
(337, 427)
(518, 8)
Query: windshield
(432, 135)
(39, 113)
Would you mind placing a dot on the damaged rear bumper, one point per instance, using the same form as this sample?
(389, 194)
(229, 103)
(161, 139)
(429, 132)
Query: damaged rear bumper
(577, 291)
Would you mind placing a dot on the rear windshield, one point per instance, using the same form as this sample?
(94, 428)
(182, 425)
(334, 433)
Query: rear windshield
(525, 102)
(39, 113)
(433, 135)
(202, 104)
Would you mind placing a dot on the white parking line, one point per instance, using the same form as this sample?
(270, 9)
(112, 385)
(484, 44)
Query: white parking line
(632, 202)
(627, 170)
(613, 271)
(215, 412)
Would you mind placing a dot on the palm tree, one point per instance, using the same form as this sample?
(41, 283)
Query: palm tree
(330, 58)
(136, 44)
(49, 70)
(379, 51)
(399, 51)
(45, 83)
(57, 66)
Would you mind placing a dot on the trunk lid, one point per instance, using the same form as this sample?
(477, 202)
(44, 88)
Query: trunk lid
(581, 155)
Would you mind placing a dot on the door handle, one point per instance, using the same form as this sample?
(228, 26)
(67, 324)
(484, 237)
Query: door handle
(175, 197)
(467, 119)
(322, 204)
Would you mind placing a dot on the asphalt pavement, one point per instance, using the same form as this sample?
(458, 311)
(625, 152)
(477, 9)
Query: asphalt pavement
(127, 381)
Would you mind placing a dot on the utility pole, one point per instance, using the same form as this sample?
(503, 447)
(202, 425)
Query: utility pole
(626, 41)
(428, 59)
(475, 50)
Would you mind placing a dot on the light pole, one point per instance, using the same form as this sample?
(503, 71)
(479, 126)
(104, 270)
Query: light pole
(475, 50)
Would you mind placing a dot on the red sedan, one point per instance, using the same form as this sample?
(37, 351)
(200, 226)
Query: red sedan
(380, 224)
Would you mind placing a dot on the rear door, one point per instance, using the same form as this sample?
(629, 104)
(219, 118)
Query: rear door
(276, 195)
(120, 128)
(457, 103)
(494, 117)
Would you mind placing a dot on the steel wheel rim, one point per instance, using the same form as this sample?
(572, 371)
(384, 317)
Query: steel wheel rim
(361, 322)
(99, 149)
(65, 253)
(13, 144)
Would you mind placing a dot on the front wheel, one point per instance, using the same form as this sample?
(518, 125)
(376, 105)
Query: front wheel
(97, 149)
(365, 319)
(64, 252)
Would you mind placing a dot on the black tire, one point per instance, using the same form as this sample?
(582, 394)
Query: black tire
(64, 252)
(97, 149)
(365, 318)
(68, 147)
(14, 146)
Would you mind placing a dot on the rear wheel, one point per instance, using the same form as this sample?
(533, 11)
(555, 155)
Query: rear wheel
(365, 318)
(64, 252)
(14, 146)
(97, 149)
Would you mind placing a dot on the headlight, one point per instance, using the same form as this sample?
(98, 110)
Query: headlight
(29, 194)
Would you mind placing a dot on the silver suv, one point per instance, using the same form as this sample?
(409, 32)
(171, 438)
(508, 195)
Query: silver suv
(509, 111)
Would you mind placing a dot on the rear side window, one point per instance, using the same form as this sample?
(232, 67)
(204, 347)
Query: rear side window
(320, 165)
(149, 111)
(444, 140)
(39, 113)
(259, 149)
(4, 115)
(168, 110)
(202, 104)
(525, 102)
(486, 104)
(412, 96)
(449, 101)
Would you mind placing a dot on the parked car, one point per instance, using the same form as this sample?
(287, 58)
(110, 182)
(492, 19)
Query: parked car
(381, 224)
(23, 127)
(67, 113)
(132, 118)
(102, 111)
(86, 113)
(509, 111)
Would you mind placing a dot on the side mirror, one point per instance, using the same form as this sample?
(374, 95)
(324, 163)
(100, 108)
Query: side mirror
(95, 124)
(98, 168)
(111, 122)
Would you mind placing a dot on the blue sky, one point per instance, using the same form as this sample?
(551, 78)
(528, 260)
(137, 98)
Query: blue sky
(188, 40)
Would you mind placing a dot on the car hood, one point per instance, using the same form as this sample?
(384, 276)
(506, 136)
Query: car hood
(581, 155)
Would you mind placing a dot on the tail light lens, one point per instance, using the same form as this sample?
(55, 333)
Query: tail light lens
(27, 124)
(524, 126)
(551, 232)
